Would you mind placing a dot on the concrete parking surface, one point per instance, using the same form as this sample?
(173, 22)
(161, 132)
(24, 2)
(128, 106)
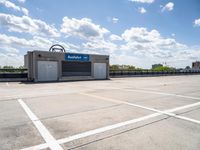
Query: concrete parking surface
(143, 113)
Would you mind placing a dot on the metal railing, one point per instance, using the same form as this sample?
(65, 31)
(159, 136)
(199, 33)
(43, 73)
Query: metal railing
(13, 73)
(114, 73)
(22, 73)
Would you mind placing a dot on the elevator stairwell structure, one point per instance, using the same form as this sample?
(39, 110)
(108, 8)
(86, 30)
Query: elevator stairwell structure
(59, 65)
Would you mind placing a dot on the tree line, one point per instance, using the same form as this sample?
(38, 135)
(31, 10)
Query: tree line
(155, 67)
(12, 67)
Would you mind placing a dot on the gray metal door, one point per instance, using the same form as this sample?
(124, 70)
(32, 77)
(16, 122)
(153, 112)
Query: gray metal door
(100, 70)
(47, 70)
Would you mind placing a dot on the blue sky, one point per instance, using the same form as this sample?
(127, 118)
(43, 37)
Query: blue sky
(135, 32)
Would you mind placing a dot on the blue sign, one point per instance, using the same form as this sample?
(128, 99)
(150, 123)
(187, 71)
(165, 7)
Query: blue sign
(77, 57)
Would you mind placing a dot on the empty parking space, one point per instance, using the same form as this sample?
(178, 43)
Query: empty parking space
(19, 136)
(165, 134)
(125, 113)
(70, 125)
(156, 100)
(124, 95)
(64, 104)
(191, 113)
(16, 129)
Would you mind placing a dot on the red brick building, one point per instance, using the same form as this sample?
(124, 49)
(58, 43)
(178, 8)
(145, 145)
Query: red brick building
(196, 65)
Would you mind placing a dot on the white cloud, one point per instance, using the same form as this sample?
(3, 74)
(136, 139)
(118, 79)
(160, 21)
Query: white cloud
(12, 48)
(168, 7)
(140, 35)
(136, 46)
(22, 1)
(25, 11)
(83, 28)
(143, 1)
(27, 25)
(100, 46)
(11, 5)
(140, 41)
(12, 43)
(173, 34)
(142, 10)
(112, 19)
(10, 56)
(35, 43)
(11, 59)
(114, 37)
(197, 22)
(115, 20)
(139, 46)
(9, 49)
(69, 47)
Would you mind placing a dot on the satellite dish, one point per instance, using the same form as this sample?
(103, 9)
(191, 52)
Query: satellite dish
(57, 48)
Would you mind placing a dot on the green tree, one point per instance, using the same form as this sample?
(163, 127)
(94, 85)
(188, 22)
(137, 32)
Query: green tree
(8, 67)
(163, 68)
(131, 67)
(156, 66)
(21, 67)
(187, 67)
(114, 67)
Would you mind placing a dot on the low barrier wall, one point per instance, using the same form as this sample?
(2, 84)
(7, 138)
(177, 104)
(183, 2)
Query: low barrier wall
(21, 74)
(128, 73)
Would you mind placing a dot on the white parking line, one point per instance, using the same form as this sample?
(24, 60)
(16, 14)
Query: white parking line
(95, 131)
(118, 125)
(121, 124)
(185, 107)
(37, 147)
(169, 113)
(106, 128)
(162, 93)
(23, 96)
(50, 140)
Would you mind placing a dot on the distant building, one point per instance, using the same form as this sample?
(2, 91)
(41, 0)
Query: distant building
(196, 65)
(156, 66)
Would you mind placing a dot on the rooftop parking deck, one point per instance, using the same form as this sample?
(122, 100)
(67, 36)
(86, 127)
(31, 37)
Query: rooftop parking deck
(149, 113)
